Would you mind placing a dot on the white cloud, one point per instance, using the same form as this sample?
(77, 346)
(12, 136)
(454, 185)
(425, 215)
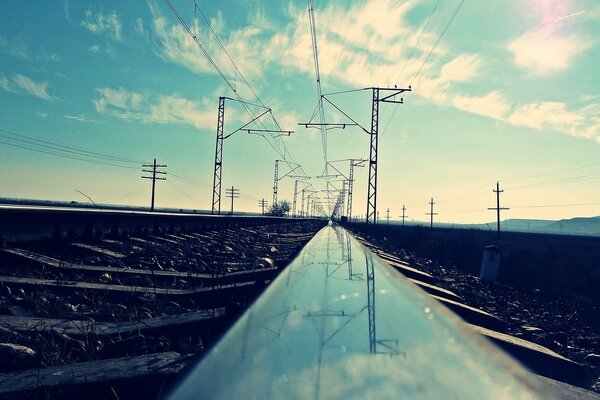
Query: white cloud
(492, 105)
(545, 50)
(94, 49)
(99, 23)
(539, 115)
(4, 83)
(462, 68)
(139, 27)
(146, 108)
(355, 45)
(15, 47)
(29, 86)
(78, 118)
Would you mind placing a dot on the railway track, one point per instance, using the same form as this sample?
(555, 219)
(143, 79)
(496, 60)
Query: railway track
(121, 308)
(347, 320)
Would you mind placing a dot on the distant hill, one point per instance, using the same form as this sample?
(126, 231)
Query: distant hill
(589, 226)
(573, 226)
(580, 226)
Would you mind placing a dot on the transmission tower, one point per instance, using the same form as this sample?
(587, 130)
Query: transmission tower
(498, 208)
(387, 217)
(373, 153)
(155, 176)
(431, 213)
(277, 178)
(232, 193)
(379, 95)
(218, 171)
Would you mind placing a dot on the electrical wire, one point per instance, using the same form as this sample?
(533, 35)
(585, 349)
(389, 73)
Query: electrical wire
(66, 156)
(439, 39)
(52, 146)
(423, 30)
(283, 153)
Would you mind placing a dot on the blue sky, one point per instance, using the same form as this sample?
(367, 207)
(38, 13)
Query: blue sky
(509, 92)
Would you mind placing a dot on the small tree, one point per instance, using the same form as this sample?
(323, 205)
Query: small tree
(280, 209)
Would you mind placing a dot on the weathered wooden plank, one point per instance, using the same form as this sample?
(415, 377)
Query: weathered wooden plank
(99, 250)
(411, 272)
(80, 328)
(539, 359)
(51, 284)
(473, 315)
(437, 291)
(189, 276)
(86, 373)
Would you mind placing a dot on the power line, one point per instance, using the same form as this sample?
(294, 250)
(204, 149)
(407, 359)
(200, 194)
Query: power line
(281, 151)
(33, 141)
(438, 40)
(65, 155)
(419, 39)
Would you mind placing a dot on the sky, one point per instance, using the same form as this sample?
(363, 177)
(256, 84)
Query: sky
(502, 91)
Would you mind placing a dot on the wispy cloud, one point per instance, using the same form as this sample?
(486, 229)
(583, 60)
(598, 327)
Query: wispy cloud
(78, 118)
(557, 117)
(18, 48)
(546, 50)
(100, 23)
(23, 84)
(148, 108)
(359, 43)
(15, 47)
(4, 84)
(492, 105)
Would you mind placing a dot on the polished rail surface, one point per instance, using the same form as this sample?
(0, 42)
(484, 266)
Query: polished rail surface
(340, 323)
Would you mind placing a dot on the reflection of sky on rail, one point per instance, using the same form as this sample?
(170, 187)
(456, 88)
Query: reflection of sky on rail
(318, 333)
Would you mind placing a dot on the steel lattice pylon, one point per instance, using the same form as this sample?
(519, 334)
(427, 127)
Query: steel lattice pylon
(372, 191)
(216, 197)
(390, 97)
(275, 183)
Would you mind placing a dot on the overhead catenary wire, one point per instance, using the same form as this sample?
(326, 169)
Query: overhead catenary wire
(279, 148)
(439, 39)
(423, 30)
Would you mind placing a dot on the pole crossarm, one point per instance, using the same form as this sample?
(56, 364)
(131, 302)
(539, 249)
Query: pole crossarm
(345, 114)
(498, 208)
(261, 131)
(246, 124)
(309, 125)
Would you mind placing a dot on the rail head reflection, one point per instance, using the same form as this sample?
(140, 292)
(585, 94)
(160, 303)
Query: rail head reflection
(338, 323)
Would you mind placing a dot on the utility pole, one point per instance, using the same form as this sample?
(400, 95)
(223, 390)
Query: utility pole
(216, 197)
(431, 213)
(498, 208)
(155, 176)
(388, 97)
(277, 178)
(353, 163)
(295, 197)
(218, 171)
(275, 182)
(262, 203)
(403, 214)
(232, 193)
(387, 217)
